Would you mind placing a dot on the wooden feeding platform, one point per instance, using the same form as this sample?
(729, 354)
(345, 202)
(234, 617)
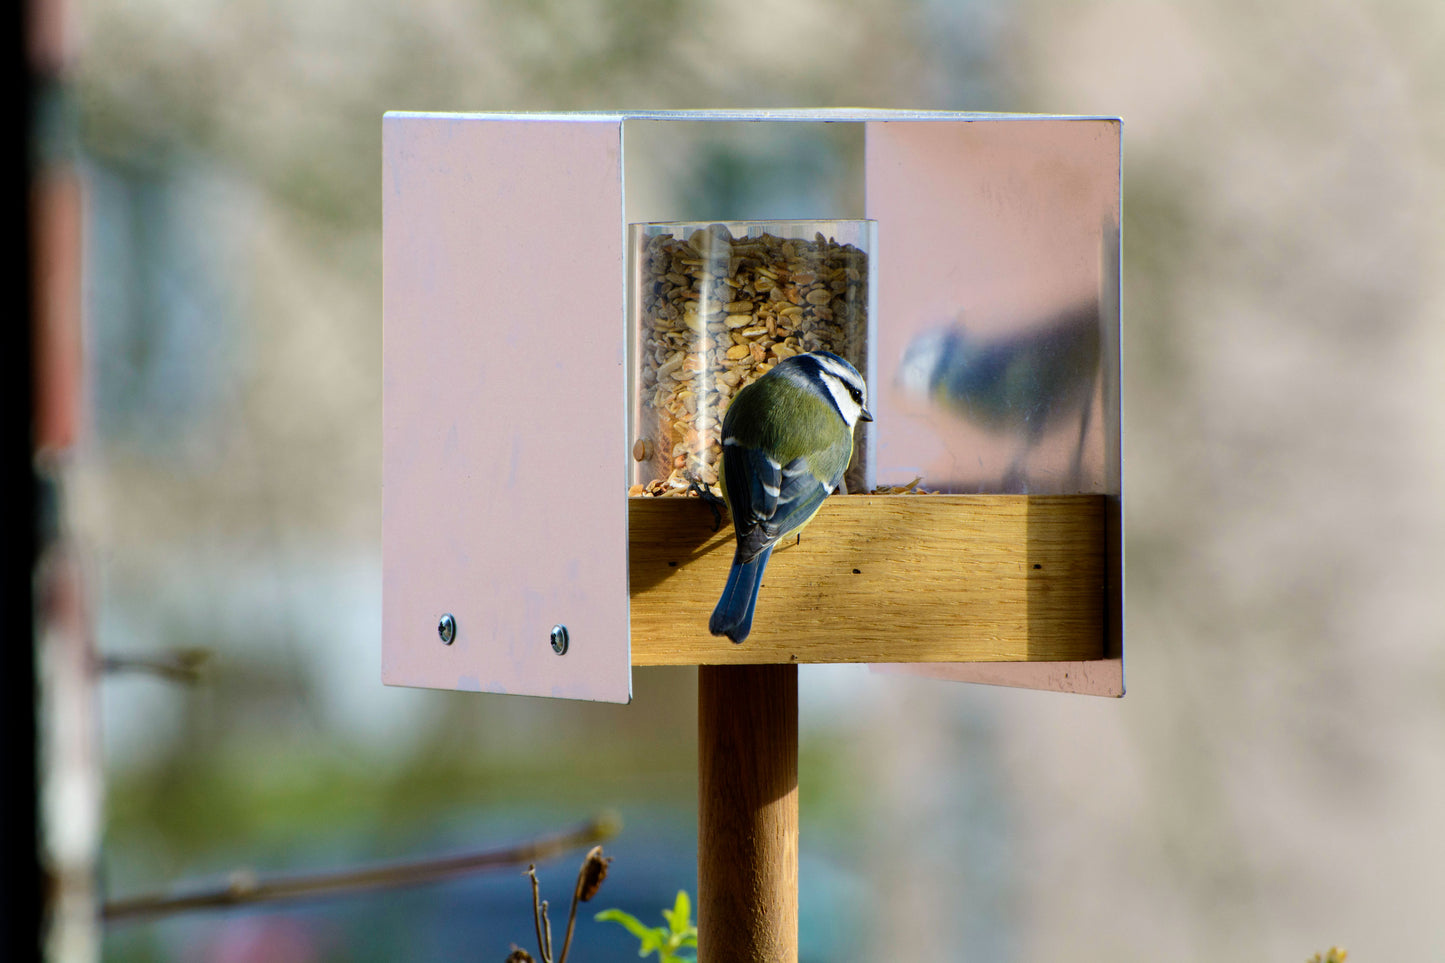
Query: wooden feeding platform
(881, 578)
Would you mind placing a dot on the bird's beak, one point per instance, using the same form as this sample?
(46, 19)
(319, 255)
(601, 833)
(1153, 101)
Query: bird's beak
(864, 415)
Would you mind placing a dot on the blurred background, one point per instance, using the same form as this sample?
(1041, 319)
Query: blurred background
(1273, 783)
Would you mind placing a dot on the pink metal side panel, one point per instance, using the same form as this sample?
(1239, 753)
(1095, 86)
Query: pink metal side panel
(999, 229)
(1103, 677)
(504, 404)
(999, 226)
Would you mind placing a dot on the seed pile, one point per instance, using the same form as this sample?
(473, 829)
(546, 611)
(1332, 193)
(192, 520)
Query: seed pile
(717, 312)
(914, 487)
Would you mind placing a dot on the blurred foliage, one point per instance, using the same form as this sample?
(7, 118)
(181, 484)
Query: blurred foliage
(215, 797)
(1283, 258)
(680, 933)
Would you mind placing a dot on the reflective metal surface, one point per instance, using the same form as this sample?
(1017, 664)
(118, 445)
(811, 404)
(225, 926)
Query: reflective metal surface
(997, 334)
(503, 264)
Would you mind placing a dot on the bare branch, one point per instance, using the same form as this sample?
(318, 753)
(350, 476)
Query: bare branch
(183, 665)
(244, 888)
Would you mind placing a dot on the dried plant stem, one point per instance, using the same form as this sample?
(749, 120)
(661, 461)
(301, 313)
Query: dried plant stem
(590, 876)
(539, 912)
(572, 913)
(247, 889)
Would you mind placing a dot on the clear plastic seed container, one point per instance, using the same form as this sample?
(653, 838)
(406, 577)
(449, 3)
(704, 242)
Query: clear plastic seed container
(714, 306)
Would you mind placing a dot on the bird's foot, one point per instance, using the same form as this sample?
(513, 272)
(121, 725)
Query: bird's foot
(710, 497)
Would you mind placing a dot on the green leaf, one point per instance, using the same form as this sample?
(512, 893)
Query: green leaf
(632, 924)
(679, 918)
(655, 939)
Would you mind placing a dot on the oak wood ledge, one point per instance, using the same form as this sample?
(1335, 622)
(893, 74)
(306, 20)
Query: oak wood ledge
(881, 578)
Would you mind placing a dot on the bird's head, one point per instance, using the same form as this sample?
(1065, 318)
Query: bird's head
(835, 379)
(924, 358)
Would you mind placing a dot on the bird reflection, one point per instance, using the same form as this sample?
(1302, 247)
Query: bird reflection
(1020, 385)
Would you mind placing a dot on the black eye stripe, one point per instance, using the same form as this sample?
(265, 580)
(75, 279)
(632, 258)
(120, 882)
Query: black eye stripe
(827, 377)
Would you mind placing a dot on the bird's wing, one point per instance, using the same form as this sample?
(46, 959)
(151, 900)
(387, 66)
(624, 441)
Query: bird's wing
(768, 499)
(753, 482)
(799, 496)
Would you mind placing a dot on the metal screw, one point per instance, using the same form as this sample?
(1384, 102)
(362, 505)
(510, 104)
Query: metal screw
(559, 639)
(447, 629)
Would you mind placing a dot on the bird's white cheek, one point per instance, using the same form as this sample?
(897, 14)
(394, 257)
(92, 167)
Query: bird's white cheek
(847, 407)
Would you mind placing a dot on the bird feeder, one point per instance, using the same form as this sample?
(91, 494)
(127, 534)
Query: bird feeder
(552, 369)
(713, 307)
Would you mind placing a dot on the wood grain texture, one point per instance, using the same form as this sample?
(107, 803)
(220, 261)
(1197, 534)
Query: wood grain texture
(881, 578)
(747, 814)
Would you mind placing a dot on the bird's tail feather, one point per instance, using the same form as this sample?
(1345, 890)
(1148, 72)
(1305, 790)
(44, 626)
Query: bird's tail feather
(733, 616)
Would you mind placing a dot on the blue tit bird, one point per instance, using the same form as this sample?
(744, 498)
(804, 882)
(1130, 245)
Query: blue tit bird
(1021, 384)
(787, 438)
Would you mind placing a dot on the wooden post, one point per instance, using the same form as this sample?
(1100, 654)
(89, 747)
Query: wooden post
(747, 814)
